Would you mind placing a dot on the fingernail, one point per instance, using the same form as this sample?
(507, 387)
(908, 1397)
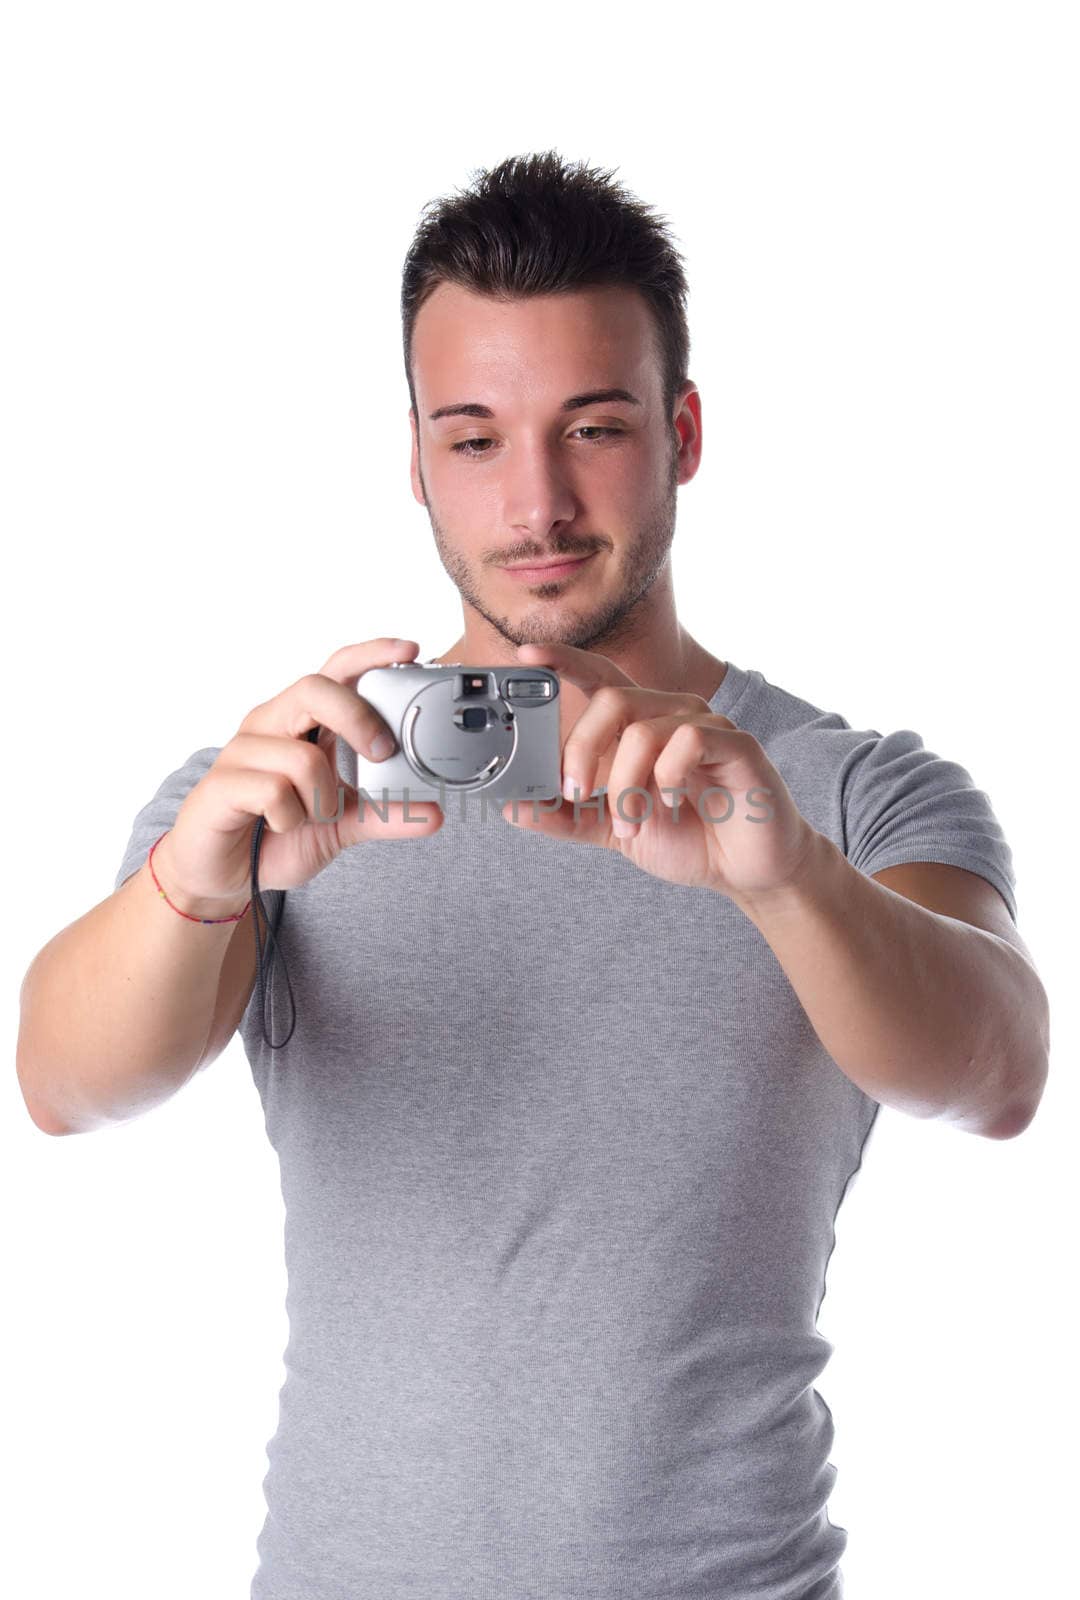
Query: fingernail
(570, 787)
(380, 746)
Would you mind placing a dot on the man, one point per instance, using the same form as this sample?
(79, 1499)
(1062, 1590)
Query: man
(573, 1097)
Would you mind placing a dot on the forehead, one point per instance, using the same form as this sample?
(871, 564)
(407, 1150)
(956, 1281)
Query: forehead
(540, 346)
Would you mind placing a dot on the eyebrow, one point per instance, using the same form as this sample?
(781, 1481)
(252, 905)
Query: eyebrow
(576, 402)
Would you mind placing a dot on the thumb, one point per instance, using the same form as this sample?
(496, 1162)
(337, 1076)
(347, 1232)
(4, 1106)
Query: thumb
(385, 819)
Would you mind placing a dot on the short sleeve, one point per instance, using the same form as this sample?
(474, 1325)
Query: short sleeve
(902, 803)
(159, 813)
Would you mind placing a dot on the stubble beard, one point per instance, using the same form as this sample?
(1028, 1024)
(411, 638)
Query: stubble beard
(613, 622)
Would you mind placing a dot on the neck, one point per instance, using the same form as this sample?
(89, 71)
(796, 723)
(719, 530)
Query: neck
(650, 645)
(653, 649)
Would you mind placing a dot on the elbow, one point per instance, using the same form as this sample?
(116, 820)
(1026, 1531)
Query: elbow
(47, 1124)
(1028, 1084)
(45, 1120)
(1012, 1123)
(1020, 1112)
(39, 1114)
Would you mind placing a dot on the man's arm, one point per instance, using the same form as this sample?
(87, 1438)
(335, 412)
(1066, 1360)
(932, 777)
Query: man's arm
(918, 985)
(124, 1005)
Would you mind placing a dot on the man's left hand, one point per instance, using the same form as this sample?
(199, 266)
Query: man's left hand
(733, 825)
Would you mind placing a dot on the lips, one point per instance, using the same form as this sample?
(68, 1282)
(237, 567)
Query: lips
(549, 569)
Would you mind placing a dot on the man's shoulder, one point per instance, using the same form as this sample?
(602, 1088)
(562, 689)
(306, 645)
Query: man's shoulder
(773, 713)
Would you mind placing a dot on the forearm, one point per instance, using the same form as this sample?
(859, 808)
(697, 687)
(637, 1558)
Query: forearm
(115, 1010)
(925, 1013)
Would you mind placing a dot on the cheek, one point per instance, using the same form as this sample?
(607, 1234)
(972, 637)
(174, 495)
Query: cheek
(463, 495)
(630, 475)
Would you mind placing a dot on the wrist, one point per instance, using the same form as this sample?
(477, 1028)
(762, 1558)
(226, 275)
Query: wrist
(200, 908)
(808, 885)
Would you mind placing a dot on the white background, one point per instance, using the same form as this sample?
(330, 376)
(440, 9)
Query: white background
(205, 491)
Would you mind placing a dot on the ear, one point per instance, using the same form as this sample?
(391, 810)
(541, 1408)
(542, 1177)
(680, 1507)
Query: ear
(687, 426)
(414, 463)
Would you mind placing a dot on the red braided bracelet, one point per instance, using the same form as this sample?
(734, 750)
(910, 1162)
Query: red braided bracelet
(168, 902)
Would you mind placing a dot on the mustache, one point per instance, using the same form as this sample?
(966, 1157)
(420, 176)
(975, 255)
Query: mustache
(519, 557)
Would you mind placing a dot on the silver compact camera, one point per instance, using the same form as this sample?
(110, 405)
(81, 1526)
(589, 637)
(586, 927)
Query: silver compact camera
(494, 729)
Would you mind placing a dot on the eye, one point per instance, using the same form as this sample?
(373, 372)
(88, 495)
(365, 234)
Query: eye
(464, 446)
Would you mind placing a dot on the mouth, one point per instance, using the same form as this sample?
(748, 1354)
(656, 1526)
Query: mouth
(548, 571)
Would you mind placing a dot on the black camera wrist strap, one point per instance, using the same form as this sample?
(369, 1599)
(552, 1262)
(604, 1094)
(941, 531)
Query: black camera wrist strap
(273, 923)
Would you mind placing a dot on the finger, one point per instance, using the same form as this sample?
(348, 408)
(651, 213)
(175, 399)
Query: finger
(715, 749)
(605, 719)
(632, 769)
(308, 789)
(678, 757)
(329, 700)
(238, 794)
(403, 819)
(308, 768)
(591, 824)
(347, 664)
(586, 668)
(327, 743)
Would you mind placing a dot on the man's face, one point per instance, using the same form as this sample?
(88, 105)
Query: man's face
(533, 480)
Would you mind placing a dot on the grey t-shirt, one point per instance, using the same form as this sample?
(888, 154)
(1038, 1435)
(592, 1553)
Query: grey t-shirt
(561, 1158)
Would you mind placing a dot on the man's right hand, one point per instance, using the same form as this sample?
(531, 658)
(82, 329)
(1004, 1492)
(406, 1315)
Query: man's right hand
(270, 769)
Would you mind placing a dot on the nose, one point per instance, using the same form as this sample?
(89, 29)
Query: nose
(537, 498)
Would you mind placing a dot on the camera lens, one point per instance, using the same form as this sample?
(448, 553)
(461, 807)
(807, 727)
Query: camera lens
(474, 717)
